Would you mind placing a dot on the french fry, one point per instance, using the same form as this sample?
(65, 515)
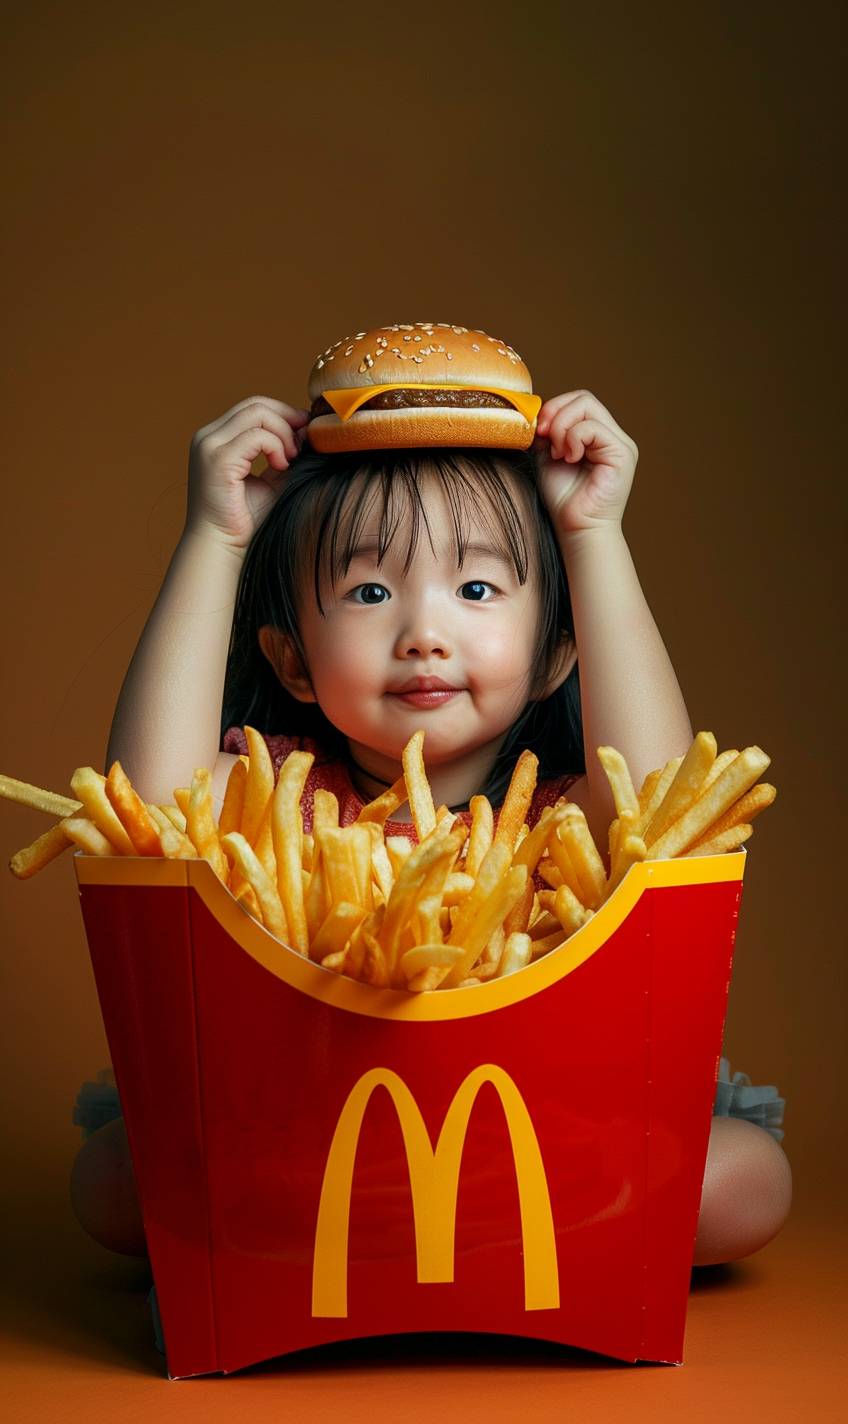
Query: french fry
(381, 867)
(647, 790)
(517, 953)
(286, 831)
(264, 889)
(382, 807)
(539, 947)
(560, 852)
(374, 969)
(684, 789)
(568, 910)
(518, 919)
(175, 845)
(201, 829)
(32, 858)
(618, 776)
(550, 873)
(583, 854)
(733, 782)
(418, 787)
(631, 848)
(182, 796)
(730, 839)
(336, 930)
(317, 898)
(513, 812)
(85, 834)
(409, 881)
(233, 806)
(132, 812)
(90, 787)
(259, 786)
(664, 778)
(482, 833)
(492, 911)
(178, 820)
(425, 955)
(534, 844)
(245, 896)
(742, 811)
(325, 811)
(26, 795)
(457, 886)
(398, 849)
(546, 924)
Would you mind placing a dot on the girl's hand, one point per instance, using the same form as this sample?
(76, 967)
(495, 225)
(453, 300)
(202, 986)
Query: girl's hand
(586, 462)
(224, 498)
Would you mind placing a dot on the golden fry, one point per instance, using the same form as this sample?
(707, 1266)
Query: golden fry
(584, 856)
(200, 825)
(733, 782)
(85, 834)
(618, 776)
(517, 953)
(231, 810)
(684, 789)
(273, 916)
(32, 858)
(25, 795)
(482, 833)
(382, 807)
(90, 787)
(730, 839)
(425, 955)
(742, 811)
(513, 812)
(286, 823)
(132, 812)
(259, 786)
(418, 787)
(336, 930)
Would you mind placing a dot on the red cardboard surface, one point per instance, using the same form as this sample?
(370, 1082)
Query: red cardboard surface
(528, 1159)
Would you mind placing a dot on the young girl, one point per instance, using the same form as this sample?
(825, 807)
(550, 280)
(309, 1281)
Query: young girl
(382, 591)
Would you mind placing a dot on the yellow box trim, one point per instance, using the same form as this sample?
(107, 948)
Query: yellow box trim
(345, 993)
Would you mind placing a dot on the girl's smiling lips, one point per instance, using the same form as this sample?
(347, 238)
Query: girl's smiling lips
(425, 692)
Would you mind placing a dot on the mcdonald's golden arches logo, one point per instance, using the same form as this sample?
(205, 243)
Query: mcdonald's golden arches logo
(434, 1181)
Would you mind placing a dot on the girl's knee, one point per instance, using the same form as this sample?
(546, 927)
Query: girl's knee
(746, 1195)
(103, 1191)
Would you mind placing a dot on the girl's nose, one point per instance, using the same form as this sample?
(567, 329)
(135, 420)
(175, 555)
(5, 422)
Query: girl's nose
(420, 641)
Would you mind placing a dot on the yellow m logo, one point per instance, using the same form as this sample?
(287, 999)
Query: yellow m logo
(434, 1180)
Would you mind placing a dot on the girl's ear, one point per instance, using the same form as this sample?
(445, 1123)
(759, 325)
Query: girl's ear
(564, 660)
(284, 658)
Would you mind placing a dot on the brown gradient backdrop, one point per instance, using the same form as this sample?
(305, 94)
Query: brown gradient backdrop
(642, 203)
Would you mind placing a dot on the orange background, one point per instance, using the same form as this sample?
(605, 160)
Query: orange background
(643, 203)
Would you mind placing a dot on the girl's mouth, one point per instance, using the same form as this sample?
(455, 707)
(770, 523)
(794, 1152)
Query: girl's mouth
(422, 697)
(426, 692)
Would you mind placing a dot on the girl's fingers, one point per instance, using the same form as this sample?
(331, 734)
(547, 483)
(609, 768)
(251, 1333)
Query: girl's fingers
(244, 448)
(574, 406)
(293, 415)
(586, 437)
(254, 416)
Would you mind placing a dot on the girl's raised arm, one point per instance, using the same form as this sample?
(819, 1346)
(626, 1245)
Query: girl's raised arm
(167, 719)
(629, 692)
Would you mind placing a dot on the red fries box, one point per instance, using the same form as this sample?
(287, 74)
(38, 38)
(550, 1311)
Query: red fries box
(318, 1159)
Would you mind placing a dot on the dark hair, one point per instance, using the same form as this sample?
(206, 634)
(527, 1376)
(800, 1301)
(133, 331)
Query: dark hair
(311, 533)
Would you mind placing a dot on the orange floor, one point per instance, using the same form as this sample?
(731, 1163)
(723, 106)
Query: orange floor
(765, 1340)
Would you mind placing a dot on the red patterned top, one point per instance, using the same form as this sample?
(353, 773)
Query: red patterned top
(330, 774)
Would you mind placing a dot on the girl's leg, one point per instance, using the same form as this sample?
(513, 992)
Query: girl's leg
(103, 1191)
(746, 1195)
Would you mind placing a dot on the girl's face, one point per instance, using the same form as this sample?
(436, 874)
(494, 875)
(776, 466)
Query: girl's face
(432, 645)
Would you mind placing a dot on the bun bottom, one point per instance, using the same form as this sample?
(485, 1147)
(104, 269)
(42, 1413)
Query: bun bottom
(421, 426)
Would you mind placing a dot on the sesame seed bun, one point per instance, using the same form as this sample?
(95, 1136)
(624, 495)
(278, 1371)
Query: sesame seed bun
(448, 386)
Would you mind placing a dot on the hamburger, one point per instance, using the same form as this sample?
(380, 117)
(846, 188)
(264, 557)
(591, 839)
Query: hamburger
(425, 383)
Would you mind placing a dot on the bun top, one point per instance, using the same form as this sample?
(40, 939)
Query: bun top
(422, 353)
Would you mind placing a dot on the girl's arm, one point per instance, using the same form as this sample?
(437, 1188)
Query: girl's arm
(630, 696)
(167, 720)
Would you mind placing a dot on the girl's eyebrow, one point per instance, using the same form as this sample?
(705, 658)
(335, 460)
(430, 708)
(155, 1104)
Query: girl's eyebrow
(487, 550)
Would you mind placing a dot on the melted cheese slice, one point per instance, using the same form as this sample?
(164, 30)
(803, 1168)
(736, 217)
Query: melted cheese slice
(346, 402)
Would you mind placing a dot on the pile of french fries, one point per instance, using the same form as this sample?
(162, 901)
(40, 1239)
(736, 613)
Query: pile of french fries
(456, 908)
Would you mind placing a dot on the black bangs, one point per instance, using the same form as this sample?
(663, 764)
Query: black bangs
(382, 491)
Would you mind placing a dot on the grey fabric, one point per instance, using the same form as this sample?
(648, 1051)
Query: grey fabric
(737, 1096)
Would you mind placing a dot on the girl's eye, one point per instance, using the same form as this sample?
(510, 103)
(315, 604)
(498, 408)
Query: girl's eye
(369, 593)
(477, 592)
